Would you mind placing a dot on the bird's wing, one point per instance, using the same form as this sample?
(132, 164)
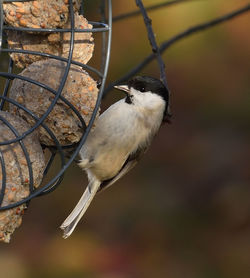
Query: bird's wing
(127, 166)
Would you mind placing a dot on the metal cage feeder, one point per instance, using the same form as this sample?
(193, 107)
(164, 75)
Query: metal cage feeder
(58, 150)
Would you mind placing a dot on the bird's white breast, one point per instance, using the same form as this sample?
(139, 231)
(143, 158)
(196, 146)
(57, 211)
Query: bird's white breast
(119, 131)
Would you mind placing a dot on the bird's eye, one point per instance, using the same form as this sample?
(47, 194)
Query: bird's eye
(142, 89)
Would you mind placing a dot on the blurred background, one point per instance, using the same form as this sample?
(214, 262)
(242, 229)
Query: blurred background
(184, 210)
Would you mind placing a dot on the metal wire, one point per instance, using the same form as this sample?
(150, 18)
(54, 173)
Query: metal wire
(57, 150)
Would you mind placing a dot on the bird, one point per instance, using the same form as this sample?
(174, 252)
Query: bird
(121, 136)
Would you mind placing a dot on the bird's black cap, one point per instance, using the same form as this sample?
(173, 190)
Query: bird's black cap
(147, 83)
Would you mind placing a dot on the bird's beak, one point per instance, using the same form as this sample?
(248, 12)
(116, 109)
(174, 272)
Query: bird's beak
(124, 88)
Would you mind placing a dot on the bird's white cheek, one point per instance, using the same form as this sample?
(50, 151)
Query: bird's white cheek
(149, 100)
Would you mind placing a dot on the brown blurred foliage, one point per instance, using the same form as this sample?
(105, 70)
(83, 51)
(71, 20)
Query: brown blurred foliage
(184, 211)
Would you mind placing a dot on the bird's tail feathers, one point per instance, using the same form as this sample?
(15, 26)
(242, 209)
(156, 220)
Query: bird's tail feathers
(72, 220)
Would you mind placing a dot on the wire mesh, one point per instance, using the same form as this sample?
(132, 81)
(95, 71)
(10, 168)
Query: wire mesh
(104, 26)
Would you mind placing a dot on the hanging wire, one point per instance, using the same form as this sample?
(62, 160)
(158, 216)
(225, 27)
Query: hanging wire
(176, 38)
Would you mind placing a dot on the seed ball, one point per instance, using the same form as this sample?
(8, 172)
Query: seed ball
(55, 43)
(80, 90)
(17, 171)
(38, 14)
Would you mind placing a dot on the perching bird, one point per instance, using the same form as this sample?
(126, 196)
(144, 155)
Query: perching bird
(121, 136)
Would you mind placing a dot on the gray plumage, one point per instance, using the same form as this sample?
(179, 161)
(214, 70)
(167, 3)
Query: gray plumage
(121, 136)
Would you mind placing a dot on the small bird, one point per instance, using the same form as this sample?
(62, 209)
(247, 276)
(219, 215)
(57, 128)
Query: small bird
(121, 136)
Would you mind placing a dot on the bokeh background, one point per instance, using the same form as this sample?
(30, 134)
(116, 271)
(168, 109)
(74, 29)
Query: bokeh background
(184, 211)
